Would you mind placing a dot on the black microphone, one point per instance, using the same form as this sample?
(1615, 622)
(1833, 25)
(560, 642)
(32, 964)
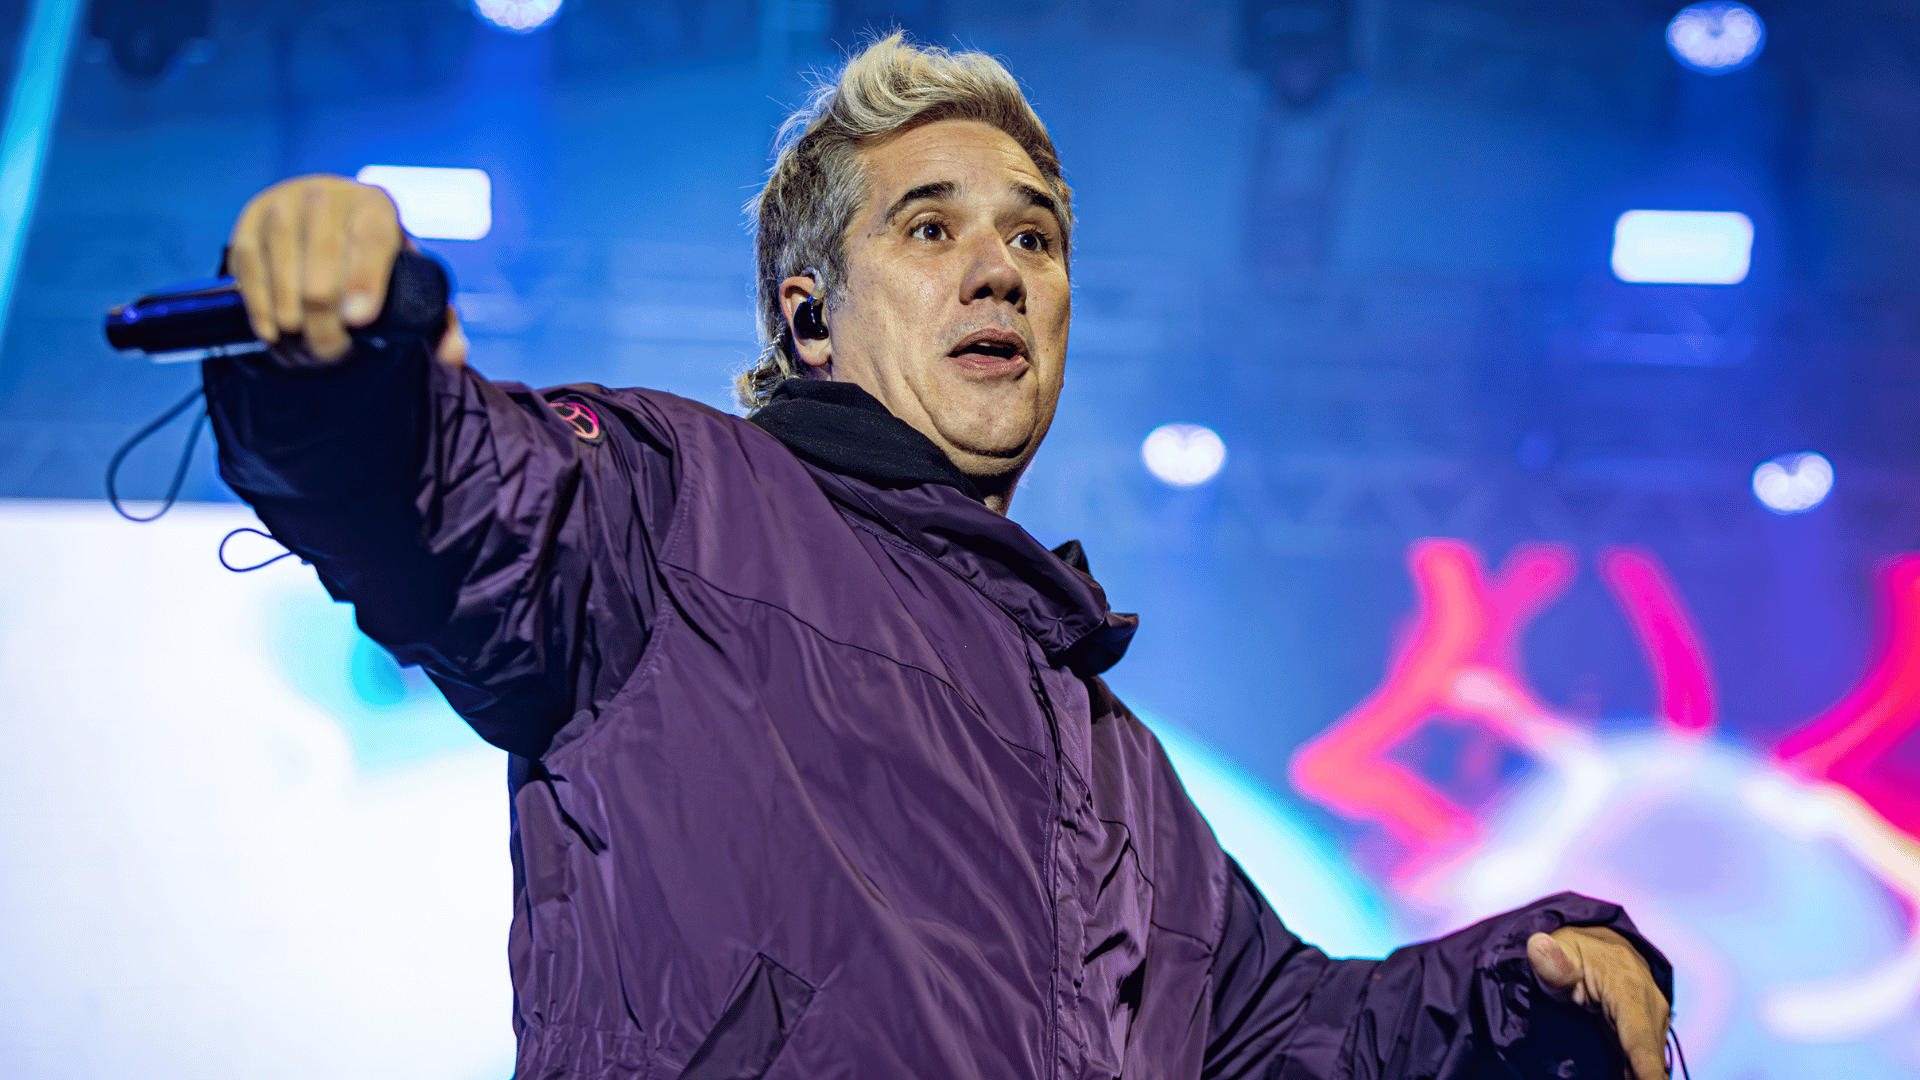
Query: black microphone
(209, 314)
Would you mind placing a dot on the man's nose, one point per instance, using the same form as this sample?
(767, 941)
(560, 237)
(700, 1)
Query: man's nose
(993, 275)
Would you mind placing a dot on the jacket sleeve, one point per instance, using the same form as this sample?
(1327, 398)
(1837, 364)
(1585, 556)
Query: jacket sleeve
(477, 532)
(1466, 1005)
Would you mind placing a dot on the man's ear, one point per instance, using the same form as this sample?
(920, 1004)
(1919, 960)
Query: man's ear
(813, 348)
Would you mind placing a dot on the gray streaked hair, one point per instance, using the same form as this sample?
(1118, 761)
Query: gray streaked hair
(818, 184)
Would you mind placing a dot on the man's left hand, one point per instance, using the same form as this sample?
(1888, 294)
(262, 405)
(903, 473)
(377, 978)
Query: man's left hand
(1602, 973)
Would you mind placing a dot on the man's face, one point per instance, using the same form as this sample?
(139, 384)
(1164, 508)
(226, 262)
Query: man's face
(956, 304)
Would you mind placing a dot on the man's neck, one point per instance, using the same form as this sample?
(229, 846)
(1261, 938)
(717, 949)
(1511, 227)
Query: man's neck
(997, 491)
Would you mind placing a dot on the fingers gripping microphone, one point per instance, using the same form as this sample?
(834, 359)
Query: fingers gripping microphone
(196, 318)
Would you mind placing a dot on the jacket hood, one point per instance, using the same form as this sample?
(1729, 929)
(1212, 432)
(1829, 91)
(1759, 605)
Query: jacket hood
(844, 428)
(876, 465)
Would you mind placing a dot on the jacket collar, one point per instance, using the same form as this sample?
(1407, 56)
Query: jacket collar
(844, 428)
(878, 466)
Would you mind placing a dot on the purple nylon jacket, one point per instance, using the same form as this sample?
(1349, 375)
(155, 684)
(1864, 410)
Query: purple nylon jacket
(813, 774)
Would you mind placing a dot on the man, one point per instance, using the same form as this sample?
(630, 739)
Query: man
(813, 774)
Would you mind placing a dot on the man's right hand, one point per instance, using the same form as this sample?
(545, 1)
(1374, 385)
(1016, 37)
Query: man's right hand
(312, 256)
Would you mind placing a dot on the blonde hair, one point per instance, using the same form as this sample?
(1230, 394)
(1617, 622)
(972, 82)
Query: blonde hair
(818, 184)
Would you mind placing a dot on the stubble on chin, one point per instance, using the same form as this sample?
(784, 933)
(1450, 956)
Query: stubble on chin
(993, 448)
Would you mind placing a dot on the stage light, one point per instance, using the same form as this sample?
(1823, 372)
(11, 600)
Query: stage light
(517, 16)
(437, 204)
(1687, 247)
(1793, 483)
(1184, 455)
(1716, 38)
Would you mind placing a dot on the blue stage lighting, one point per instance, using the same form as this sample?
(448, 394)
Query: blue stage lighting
(45, 42)
(1716, 38)
(517, 16)
(437, 204)
(1682, 247)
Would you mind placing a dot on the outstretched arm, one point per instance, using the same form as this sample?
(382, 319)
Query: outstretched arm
(471, 524)
(1469, 1004)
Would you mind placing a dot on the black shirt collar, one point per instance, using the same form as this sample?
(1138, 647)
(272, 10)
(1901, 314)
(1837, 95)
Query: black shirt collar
(838, 426)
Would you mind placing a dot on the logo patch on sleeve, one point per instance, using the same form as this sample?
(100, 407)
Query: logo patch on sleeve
(580, 416)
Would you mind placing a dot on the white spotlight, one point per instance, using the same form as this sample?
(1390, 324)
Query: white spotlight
(517, 16)
(1793, 483)
(1183, 455)
(1688, 247)
(1716, 38)
(437, 204)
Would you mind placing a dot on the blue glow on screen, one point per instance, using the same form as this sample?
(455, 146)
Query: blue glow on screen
(1312, 887)
(1691, 247)
(241, 843)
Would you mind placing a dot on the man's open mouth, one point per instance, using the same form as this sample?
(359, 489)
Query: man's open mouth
(991, 350)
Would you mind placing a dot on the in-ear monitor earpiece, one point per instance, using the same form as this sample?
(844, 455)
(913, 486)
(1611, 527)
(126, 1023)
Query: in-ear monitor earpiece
(807, 321)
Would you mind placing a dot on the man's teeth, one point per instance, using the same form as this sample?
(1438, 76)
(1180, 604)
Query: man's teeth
(998, 349)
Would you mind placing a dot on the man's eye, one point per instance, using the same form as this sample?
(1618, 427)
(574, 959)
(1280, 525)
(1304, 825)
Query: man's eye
(930, 230)
(1033, 240)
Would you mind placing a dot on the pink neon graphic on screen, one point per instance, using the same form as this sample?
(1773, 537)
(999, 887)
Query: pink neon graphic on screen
(1682, 682)
(1849, 743)
(1461, 662)
(1459, 665)
(1466, 626)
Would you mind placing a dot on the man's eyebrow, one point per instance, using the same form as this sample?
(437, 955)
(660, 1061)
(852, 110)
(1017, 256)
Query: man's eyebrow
(939, 189)
(1037, 198)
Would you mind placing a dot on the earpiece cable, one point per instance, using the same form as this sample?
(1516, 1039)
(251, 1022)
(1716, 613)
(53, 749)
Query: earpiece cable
(179, 472)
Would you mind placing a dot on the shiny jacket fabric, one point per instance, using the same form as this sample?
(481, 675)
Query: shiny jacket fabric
(813, 774)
